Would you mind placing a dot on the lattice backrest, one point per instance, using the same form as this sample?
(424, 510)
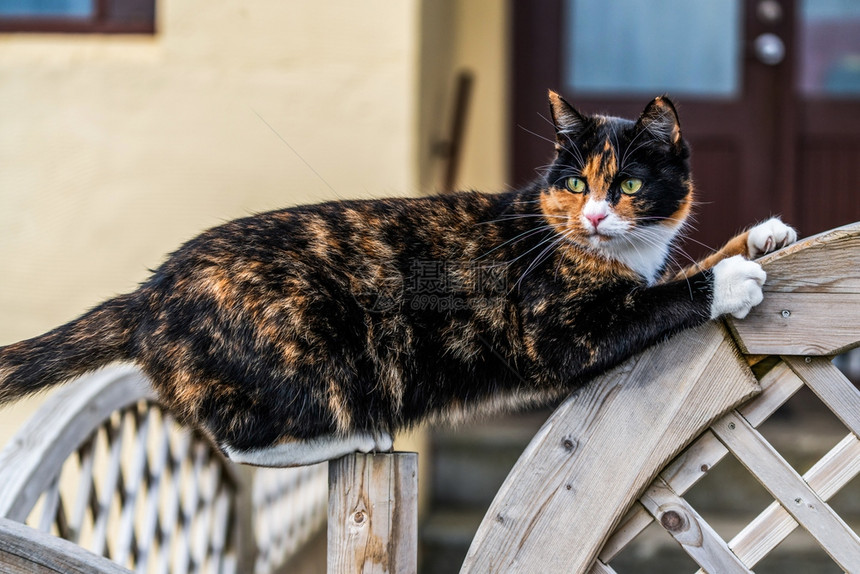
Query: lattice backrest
(105, 467)
(798, 499)
(811, 311)
(289, 508)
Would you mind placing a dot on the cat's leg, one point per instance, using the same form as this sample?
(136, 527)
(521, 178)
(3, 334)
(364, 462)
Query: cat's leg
(763, 238)
(305, 452)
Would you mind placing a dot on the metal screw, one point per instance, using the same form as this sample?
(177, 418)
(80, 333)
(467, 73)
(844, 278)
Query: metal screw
(808, 359)
(786, 313)
(731, 426)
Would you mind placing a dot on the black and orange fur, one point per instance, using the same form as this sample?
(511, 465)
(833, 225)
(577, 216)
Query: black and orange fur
(269, 329)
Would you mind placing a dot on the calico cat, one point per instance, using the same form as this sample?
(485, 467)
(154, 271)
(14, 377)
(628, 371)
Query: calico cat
(300, 335)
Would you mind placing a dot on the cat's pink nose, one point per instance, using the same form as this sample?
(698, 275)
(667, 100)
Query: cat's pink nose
(595, 218)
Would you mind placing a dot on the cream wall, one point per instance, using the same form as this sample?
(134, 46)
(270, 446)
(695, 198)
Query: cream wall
(465, 35)
(114, 150)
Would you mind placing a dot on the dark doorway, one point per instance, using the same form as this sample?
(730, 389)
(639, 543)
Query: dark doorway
(768, 92)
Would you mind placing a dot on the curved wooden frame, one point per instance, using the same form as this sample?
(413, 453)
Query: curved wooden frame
(26, 550)
(602, 449)
(192, 525)
(38, 450)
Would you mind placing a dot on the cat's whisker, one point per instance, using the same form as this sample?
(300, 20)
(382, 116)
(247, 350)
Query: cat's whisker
(546, 119)
(549, 237)
(513, 216)
(548, 227)
(535, 134)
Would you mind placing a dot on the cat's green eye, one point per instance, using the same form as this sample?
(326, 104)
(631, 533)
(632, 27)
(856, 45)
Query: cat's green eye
(575, 184)
(631, 186)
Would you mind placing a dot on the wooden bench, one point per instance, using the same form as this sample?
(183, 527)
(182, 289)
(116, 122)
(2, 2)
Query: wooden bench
(620, 453)
(106, 480)
(617, 456)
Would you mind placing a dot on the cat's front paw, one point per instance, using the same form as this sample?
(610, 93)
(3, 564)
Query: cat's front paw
(737, 287)
(769, 236)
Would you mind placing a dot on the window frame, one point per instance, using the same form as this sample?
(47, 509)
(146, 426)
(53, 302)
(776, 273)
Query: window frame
(99, 23)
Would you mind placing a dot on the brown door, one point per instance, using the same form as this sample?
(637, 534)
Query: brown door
(768, 92)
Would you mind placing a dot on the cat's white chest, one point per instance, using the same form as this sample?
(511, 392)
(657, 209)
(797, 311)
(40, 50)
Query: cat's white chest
(644, 253)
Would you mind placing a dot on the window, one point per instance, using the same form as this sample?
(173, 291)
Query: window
(78, 16)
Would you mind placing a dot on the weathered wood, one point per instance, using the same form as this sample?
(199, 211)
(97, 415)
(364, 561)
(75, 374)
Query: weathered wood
(787, 487)
(832, 387)
(774, 524)
(88, 419)
(777, 386)
(373, 514)
(811, 298)
(25, 550)
(600, 568)
(37, 452)
(695, 535)
(601, 448)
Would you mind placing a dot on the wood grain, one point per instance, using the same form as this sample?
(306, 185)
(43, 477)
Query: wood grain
(790, 490)
(688, 528)
(811, 298)
(832, 387)
(25, 550)
(601, 448)
(774, 524)
(37, 452)
(777, 386)
(373, 514)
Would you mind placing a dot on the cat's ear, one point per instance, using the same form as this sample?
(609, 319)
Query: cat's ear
(568, 122)
(661, 121)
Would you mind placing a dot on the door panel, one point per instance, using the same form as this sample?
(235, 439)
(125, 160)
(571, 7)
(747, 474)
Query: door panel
(828, 102)
(774, 120)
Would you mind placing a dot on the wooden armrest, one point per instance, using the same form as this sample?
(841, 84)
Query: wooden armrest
(26, 550)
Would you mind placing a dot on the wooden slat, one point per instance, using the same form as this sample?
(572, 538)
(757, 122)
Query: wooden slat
(36, 454)
(777, 386)
(50, 501)
(598, 567)
(183, 561)
(825, 263)
(219, 532)
(690, 530)
(373, 513)
(126, 543)
(112, 475)
(811, 298)
(150, 516)
(209, 486)
(816, 324)
(640, 414)
(787, 487)
(774, 524)
(25, 550)
(169, 538)
(837, 392)
(86, 456)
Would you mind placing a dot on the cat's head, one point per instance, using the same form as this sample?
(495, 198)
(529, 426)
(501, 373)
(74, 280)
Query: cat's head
(619, 187)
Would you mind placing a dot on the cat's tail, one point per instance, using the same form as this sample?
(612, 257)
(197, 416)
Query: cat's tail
(99, 337)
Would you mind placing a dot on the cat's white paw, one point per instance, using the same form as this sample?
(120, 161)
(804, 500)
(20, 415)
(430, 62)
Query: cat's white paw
(364, 442)
(737, 287)
(384, 442)
(377, 442)
(769, 236)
